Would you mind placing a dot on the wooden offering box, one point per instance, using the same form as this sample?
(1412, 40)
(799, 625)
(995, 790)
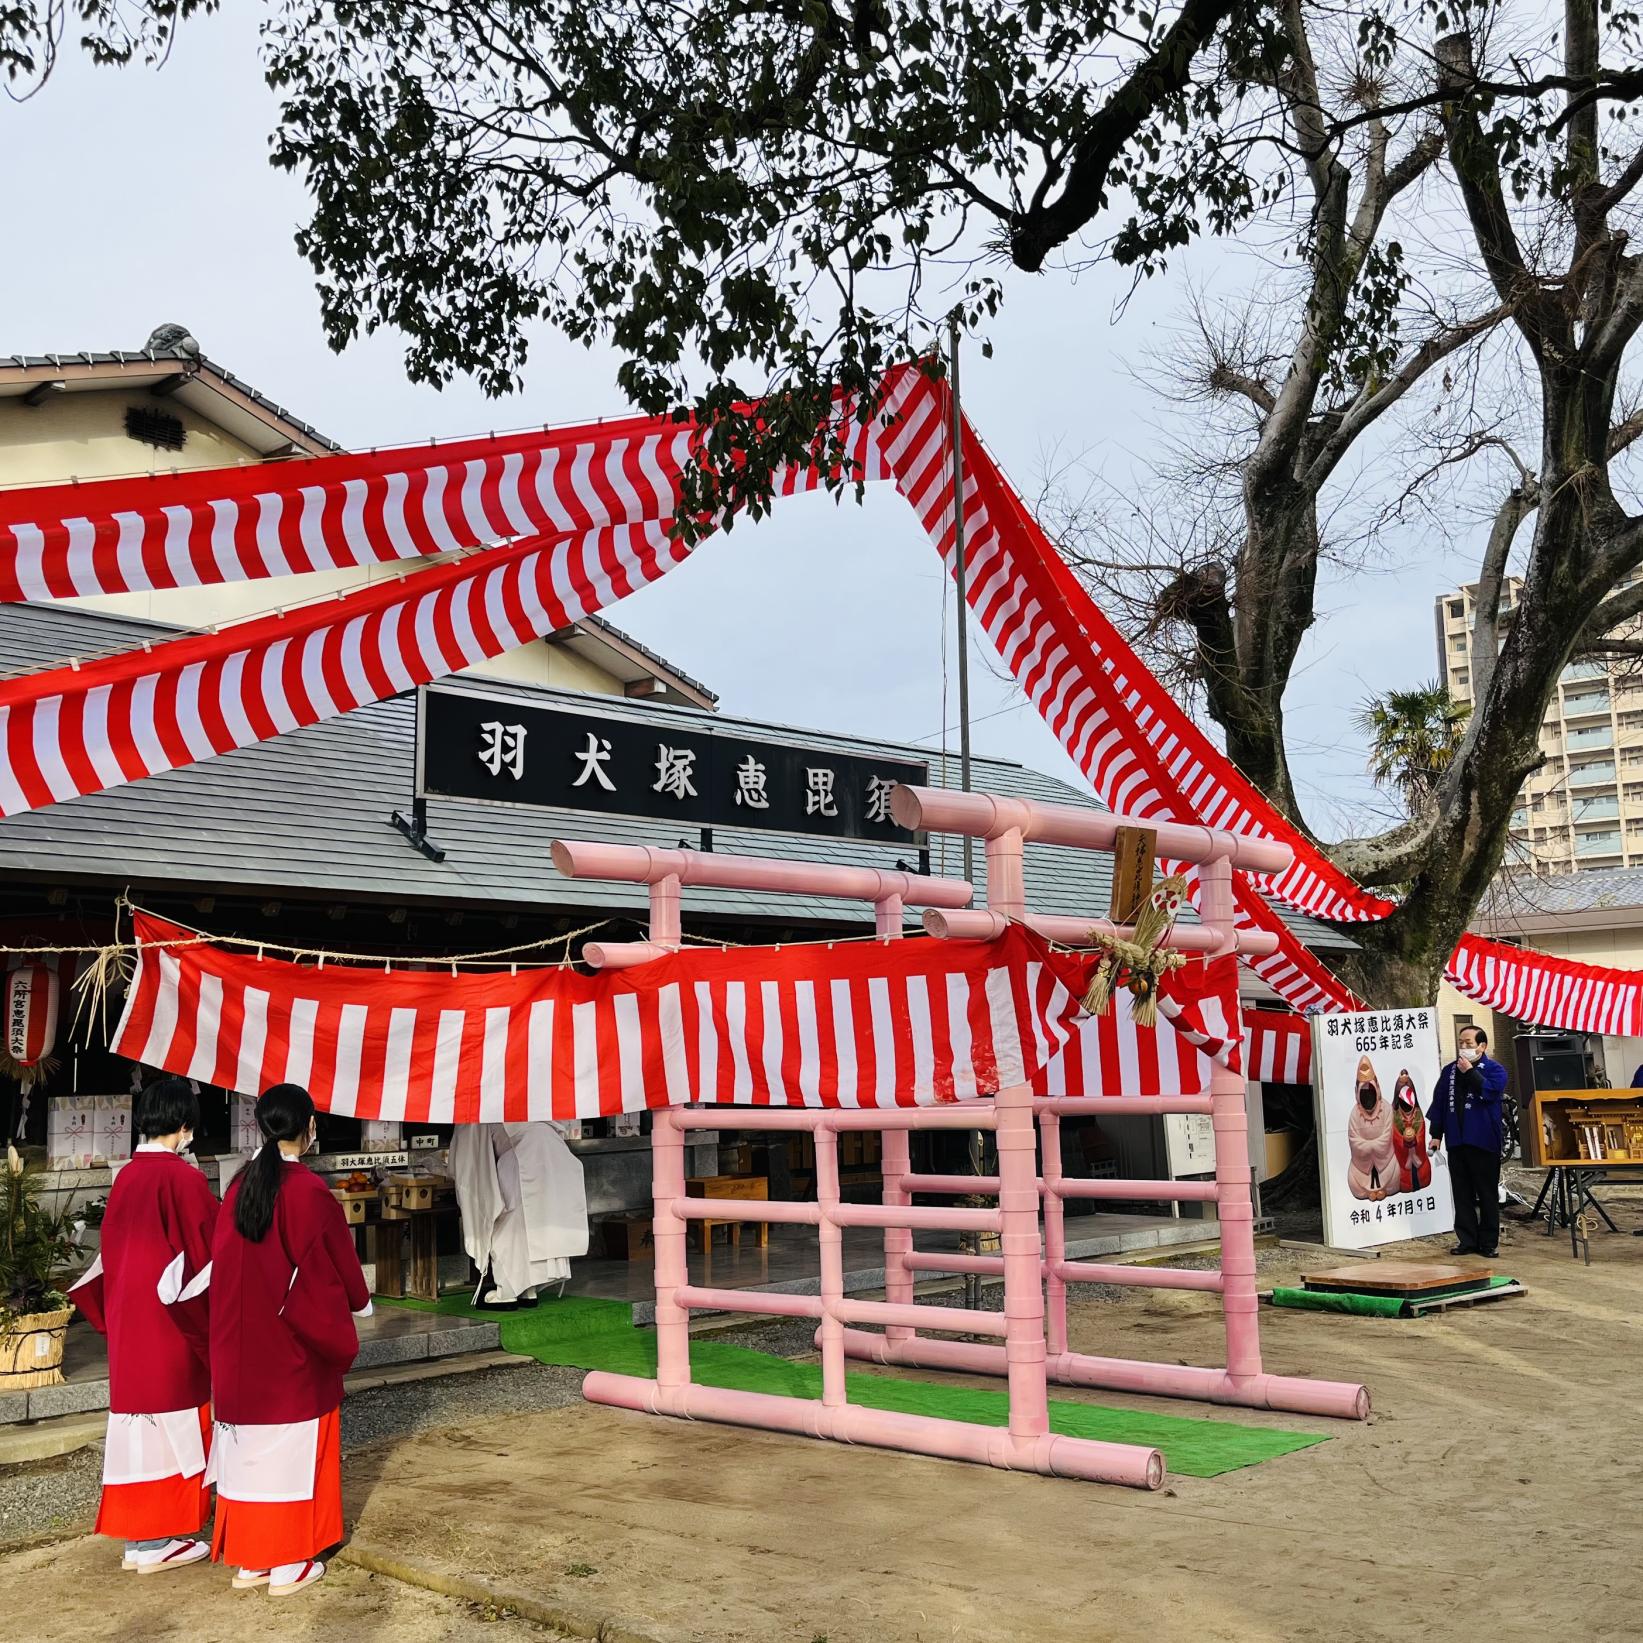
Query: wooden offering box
(407, 1194)
(629, 1238)
(355, 1205)
(1594, 1127)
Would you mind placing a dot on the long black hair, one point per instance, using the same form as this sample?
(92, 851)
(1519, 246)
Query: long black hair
(284, 1113)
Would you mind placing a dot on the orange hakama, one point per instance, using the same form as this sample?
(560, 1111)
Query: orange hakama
(279, 1491)
(154, 1475)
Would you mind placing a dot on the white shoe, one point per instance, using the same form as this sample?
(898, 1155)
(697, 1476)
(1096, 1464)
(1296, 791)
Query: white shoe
(248, 1578)
(175, 1554)
(292, 1577)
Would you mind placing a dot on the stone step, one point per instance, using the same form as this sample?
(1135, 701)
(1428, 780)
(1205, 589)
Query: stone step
(393, 1335)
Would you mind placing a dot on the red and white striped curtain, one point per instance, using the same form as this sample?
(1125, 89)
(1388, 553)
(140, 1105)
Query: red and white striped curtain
(856, 1024)
(1278, 1047)
(584, 515)
(1109, 1055)
(1548, 991)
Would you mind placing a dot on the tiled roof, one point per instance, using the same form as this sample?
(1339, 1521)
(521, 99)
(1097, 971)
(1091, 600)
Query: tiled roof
(599, 624)
(185, 358)
(307, 814)
(1597, 890)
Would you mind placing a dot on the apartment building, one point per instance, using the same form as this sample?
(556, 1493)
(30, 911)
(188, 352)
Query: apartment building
(1583, 808)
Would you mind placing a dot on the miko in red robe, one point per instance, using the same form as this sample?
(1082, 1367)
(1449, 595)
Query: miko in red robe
(286, 1288)
(148, 1292)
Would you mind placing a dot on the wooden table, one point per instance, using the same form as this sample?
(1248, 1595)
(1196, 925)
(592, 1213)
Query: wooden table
(387, 1231)
(746, 1187)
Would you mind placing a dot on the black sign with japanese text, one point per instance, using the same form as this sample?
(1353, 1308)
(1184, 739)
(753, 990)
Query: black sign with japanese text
(503, 750)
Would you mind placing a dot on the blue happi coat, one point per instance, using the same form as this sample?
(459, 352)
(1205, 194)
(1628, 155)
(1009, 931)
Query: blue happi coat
(1471, 1115)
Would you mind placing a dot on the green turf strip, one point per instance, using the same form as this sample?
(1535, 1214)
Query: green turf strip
(584, 1333)
(1365, 1306)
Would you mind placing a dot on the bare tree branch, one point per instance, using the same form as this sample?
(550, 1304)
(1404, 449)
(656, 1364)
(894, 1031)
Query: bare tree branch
(1372, 404)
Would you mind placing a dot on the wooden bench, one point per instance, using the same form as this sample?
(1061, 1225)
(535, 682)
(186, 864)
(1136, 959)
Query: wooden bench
(730, 1187)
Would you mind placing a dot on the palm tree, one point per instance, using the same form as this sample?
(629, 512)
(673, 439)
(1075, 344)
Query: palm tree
(1413, 734)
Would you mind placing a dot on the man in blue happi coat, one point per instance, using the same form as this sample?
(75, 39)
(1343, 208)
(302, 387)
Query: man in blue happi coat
(1466, 1112)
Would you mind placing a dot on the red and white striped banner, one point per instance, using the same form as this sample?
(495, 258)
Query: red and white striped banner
(857, 1024)
(584, 512)
(280, 519)
(1548, 992)
(1141, 751)
(1277, 1047)
(226, 525)
(608, 492)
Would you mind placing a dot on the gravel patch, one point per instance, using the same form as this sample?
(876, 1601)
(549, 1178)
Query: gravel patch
(386, 1413)
(50, 1496)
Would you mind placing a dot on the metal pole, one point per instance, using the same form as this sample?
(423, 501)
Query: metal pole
(958, 570)
(977, 1148)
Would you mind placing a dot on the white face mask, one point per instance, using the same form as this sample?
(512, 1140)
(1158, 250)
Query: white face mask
(185, 1141)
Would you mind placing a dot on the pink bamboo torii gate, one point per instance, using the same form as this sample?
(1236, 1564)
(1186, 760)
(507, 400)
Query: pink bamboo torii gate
(1007, 825)
(1029, 1215)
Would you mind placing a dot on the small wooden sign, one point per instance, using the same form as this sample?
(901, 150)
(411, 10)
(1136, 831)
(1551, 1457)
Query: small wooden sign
(334, 1163)
(1132, 854)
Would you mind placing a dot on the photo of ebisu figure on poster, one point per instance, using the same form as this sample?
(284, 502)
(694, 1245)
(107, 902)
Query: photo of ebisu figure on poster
(1373, 1076)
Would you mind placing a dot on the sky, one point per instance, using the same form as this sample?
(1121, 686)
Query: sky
(135, 197)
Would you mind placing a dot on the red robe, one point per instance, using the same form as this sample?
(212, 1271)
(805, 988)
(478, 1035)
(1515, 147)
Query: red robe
(282, 1327)
(156, 1244)
(148, 1291)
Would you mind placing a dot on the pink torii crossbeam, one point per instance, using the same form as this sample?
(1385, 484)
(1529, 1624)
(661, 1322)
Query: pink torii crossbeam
(1031, 1333)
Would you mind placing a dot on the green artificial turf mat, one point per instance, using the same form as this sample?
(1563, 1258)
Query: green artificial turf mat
(583, 1333)
(1365, 1306)
(1320, 1300)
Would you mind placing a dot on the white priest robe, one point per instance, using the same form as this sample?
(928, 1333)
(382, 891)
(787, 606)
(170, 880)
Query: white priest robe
(524, 1209)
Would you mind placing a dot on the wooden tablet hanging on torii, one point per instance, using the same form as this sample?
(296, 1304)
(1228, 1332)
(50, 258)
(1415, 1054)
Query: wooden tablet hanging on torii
(1140, 961)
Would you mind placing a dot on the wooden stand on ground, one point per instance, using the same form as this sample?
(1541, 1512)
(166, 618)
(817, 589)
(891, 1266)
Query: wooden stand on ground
(1417, 1286)
(730, 1187)
(1402, 1280)
(420, 1208)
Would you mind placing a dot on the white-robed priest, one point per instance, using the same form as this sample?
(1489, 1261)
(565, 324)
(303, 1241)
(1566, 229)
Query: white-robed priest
(524, 1208)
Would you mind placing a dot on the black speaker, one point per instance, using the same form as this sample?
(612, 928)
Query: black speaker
(1561, 1070)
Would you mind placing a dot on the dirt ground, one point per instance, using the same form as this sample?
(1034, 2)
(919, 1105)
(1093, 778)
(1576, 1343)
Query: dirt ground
(74, 1591)
(1493, 1495)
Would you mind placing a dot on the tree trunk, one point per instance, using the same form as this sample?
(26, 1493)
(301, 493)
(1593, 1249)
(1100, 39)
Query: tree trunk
(1277, 585)
(1575, 559)
(1245, 646)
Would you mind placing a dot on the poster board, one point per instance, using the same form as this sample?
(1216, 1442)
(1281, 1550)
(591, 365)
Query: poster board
(1381, 1181)
(1189, 1144)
